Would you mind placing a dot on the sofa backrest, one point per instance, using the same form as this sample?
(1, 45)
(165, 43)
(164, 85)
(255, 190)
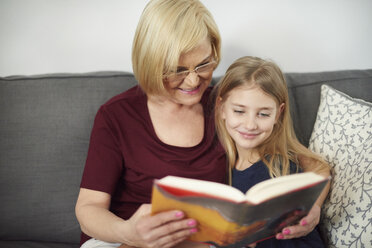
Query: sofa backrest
(45, 124)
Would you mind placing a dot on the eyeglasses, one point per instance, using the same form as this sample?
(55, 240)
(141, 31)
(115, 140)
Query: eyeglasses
(202, 70)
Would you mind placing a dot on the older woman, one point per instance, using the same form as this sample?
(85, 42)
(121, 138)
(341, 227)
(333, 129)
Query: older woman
(161, 127)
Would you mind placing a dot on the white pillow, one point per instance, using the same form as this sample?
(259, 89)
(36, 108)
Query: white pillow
(342, 134)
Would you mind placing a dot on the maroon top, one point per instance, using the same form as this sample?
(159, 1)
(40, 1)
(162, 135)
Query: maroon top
(125, 155)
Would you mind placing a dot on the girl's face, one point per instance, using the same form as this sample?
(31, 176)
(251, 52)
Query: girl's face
(250, 115)
(189, 90)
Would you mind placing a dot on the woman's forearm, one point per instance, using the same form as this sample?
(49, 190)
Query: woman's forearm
(101, 224)
(95, 219)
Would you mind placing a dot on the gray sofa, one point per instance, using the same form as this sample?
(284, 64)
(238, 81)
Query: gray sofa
(45, 123)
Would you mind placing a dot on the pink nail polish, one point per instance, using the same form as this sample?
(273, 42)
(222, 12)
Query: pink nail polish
(303, 223)
(280, 236)
(191, 223)
(286, 231)
(194, 230)
(179, 214)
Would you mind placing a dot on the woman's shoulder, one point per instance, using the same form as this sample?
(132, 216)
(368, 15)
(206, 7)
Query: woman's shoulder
(129, 95)
(131, 102)
(208, 101)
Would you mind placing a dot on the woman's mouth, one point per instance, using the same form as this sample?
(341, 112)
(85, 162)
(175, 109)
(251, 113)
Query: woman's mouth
(190, 91)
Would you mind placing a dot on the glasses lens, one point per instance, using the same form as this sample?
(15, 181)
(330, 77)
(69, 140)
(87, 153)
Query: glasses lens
(177, 77)
(205, 68)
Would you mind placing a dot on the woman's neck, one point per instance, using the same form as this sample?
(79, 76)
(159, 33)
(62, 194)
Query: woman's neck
(165, 104)
(176, 124)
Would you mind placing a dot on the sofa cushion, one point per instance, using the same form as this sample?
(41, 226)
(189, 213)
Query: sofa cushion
(343, 136)
(45, 125)
(304, 94)
(30, 244)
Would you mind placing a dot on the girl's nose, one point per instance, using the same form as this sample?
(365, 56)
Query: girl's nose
(250, 123)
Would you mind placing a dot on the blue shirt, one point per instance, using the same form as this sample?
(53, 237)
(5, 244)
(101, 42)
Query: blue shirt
(258, 172)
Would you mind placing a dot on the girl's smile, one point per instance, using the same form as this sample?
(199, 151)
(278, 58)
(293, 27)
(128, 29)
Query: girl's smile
(248, 135)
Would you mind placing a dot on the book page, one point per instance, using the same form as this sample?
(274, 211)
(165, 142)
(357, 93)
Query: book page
(280, 185)
(217, 190)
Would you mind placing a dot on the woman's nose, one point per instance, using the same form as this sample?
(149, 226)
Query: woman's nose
(192, 79)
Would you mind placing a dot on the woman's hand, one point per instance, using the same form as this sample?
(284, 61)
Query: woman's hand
(141, 230)
(162, 230)
(305, 226)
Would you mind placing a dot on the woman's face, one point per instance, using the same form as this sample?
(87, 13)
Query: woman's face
(188, 91)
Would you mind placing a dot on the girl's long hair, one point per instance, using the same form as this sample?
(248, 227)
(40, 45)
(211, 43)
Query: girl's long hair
(282, 146)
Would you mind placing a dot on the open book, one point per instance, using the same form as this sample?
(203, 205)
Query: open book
(229, 218)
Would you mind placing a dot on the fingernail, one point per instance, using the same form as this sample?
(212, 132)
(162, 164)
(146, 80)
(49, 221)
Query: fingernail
(280, 236)
(191, 223)
(303, 223)
(193, 230)
(179, 214)
(286, 231)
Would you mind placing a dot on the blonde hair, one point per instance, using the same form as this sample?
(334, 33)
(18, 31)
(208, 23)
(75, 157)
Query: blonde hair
(167, 29)
(281, 146)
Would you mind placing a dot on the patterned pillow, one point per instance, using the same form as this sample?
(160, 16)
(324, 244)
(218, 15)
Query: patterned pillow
(342, 134)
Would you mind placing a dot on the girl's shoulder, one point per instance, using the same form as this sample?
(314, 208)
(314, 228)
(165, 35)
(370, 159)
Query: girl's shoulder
(294, 168)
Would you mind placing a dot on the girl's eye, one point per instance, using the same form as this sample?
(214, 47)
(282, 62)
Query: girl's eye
(238, 111)
(263, 114)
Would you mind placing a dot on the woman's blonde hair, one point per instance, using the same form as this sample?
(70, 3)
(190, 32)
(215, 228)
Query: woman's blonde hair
(281, 146)
(167, 29)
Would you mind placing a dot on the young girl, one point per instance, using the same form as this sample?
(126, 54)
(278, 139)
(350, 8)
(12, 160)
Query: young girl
(254, 125)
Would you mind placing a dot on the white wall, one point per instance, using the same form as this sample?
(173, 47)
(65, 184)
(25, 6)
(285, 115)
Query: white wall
(45, 36)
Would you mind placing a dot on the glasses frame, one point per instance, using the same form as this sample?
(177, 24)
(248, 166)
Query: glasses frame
(187, 72)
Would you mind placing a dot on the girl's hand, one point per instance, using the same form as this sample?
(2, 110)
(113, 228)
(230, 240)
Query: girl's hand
(162, 230)
(305, 226)
(251, 245)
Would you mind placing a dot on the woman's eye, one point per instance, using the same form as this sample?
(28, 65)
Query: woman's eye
(202, 64)
(181, 70)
